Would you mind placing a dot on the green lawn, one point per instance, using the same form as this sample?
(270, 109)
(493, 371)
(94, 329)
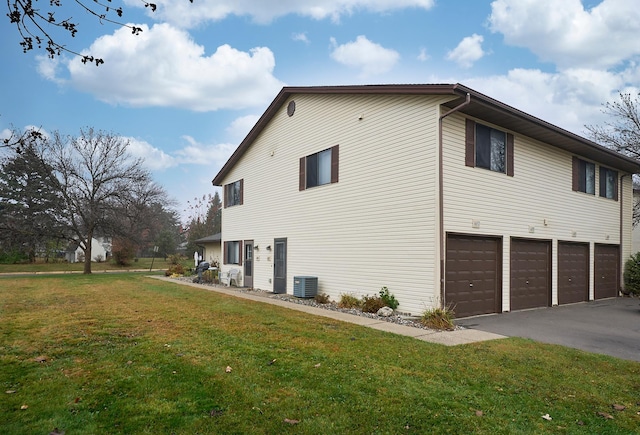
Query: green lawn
(106, 354)
(43, 267)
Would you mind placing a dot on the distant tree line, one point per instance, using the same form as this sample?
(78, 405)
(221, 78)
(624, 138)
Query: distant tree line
(205, 219)
(60, 190)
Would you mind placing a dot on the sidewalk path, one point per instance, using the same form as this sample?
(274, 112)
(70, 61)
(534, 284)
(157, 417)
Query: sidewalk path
(447, 338)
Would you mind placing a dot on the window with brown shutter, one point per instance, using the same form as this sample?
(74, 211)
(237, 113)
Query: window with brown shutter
(232, 252)
(319, 168)
(583, 176)
(488, 148)
(608, 183)
(234, 193)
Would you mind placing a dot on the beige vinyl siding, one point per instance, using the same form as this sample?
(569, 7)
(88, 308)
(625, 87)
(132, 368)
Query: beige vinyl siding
(537, 202)
(376, 227)
(212, 252)
(627, 222)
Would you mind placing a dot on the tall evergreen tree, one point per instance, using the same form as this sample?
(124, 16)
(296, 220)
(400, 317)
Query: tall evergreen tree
(29, 212)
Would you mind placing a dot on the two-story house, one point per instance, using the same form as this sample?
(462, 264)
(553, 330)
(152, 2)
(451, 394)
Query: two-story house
(442, 194)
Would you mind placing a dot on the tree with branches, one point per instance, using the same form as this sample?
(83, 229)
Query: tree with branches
(28, 207)
(205, 219)
(103, 189)
(18, 140)
(621, 132)
(39, 26)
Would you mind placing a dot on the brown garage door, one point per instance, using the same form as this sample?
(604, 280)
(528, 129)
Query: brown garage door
(530, 273)
(573, 272)
(473, 274)
(606, 271)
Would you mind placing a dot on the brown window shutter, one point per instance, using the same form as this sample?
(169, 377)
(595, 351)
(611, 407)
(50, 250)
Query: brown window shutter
(240, 253)
(224, 253)
(615, 190)
(334, 163)
(242, 191)
(302, 180)
(225, 195)
(509, 154)
(576, 174)
(469, 143)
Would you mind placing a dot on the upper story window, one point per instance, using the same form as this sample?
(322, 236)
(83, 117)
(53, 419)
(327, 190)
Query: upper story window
(584, 176)
(319, 168)
(488, 148)
(234, 193)
(608, 183)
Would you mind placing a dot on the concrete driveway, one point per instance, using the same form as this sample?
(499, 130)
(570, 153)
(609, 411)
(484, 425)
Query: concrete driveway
(608, 326)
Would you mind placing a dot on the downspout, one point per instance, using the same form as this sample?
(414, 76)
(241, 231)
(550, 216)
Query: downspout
(621, 277)
(441, 194)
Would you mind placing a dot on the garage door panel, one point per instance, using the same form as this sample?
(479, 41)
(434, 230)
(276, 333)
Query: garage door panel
(530, 273)
(573, 272)
(606, 271)
(473, 270)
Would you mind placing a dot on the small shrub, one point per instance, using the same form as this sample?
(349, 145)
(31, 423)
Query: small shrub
(13, 257)
(388, 299)
(123, 251)
(81, 257)
(174, 269)
(322, 298)
(175, 259)
(349, 301)
(632, 275)
(98, 258)
(371, 304)
(439, 319)
(207, 276)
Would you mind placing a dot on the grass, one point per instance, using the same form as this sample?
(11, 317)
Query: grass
(438, 318)
(129, 354)
(42, 267)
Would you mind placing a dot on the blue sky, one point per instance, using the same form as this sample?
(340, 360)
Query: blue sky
(188, 89)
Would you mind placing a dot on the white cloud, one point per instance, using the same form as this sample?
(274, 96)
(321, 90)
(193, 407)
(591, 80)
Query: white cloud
(301, 37)
(154, 158)
(369, 57)
(240, 127)
(423, 56)
(186, 14)
(565, 33)
(198, 153)
(191, 153)
(569, 99)
(468, 51)
(164, 67)
(49, 68)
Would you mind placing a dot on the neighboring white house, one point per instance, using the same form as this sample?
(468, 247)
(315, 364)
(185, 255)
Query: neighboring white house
(211, 250)
(442, 194)
(100, 249)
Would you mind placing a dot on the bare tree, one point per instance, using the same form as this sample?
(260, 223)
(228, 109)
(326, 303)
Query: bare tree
(100, 183)
(39, 26)
(18, 140)
(621, 133)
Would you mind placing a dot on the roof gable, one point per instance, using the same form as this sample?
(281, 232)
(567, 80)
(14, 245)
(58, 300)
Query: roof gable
(480, 106)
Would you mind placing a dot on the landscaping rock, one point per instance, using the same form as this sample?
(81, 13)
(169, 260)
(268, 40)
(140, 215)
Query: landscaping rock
(385, 312)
